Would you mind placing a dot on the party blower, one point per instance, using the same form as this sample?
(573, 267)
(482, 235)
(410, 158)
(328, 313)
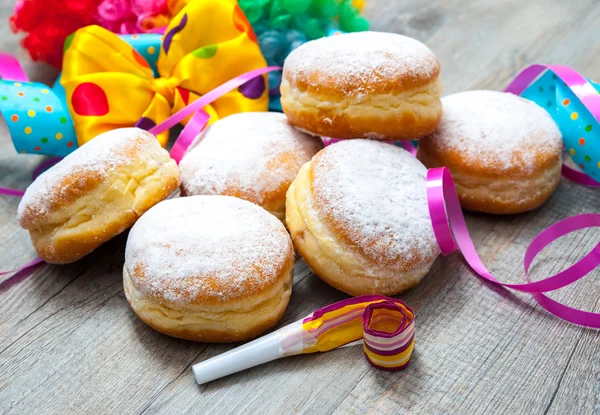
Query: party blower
(385, 324)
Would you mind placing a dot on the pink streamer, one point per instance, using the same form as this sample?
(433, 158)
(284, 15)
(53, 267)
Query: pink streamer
(452, 233)
(578, 177)
(14, 272)
(10, 69)
(201, 118)
(208, 98)
(189, 134)
(11, 192)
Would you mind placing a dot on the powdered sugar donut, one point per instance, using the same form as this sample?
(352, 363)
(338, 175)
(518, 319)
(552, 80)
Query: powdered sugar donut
(504, 152)
(208, 268)
(373, 85)
(253, 156)
(358, 215)
(95, 193)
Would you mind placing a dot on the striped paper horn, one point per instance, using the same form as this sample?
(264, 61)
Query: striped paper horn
(385, 324)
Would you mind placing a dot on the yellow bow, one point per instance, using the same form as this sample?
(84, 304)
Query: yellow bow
(109, 85)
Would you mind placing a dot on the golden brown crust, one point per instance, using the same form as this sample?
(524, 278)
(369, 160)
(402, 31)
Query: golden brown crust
(229, 322)
(433, 155)
(240, 253)
(251, 156)
(336, 85)
(485, 192)
(208, 268)
(347, 232)
(388, 91)
(91, 196)
(333, 260)
(357, 248)
(503, 151)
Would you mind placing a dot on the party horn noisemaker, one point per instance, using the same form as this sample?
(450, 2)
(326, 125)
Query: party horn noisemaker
(386, 325)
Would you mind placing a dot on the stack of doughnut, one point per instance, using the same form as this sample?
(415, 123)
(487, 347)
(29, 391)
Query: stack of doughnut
(216, 264)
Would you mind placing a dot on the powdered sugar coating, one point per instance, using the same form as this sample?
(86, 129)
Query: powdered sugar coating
(206, 248)
(248, 155)
(376, 194)
(96, 159)
(496, 129)
(362, 60)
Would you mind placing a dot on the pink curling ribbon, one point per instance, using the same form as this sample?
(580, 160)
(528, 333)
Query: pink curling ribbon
(582, 89)
(10, 68)
(189, 133)
(15, 272)
(7, 191)
(187, 136)
(578, 177)
(452, 234)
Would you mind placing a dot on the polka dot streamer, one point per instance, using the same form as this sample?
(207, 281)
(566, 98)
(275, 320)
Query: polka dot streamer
(37, 119)
(580, 130)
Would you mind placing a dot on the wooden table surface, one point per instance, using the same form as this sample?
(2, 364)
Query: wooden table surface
(69, 343)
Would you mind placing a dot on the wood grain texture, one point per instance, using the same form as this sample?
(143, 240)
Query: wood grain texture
(69, 342)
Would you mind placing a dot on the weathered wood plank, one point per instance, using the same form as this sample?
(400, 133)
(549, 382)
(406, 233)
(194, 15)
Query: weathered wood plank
(70, 343)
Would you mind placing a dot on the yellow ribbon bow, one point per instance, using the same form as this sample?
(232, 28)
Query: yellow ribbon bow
(110, 85)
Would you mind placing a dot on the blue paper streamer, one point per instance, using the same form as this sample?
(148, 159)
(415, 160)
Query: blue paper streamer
(580, 130)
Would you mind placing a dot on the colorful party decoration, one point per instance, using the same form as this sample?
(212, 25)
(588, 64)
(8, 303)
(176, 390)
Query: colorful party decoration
(47, 23)
(207, 43)
(574, 103)
(385, 324)
(48, 104)
(37, 119)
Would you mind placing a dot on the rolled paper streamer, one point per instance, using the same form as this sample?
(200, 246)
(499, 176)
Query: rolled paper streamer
(452, 234)
(385, 324)
(574, 104)
(37, 120)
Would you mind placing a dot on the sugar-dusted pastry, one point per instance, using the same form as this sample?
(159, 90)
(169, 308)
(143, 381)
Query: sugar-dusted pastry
(381, 86)
(358, 215)
(208, 268)
(504, 152)
(253, 156)
(95, 193)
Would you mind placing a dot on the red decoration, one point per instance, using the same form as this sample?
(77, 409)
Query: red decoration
(47, 23)
(89, 99)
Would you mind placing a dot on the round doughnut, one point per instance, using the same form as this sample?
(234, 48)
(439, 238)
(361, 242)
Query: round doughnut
(381, 86)
(208, 268)
(504, 152)
(95, 193)
(358, 215)
(253, 156)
